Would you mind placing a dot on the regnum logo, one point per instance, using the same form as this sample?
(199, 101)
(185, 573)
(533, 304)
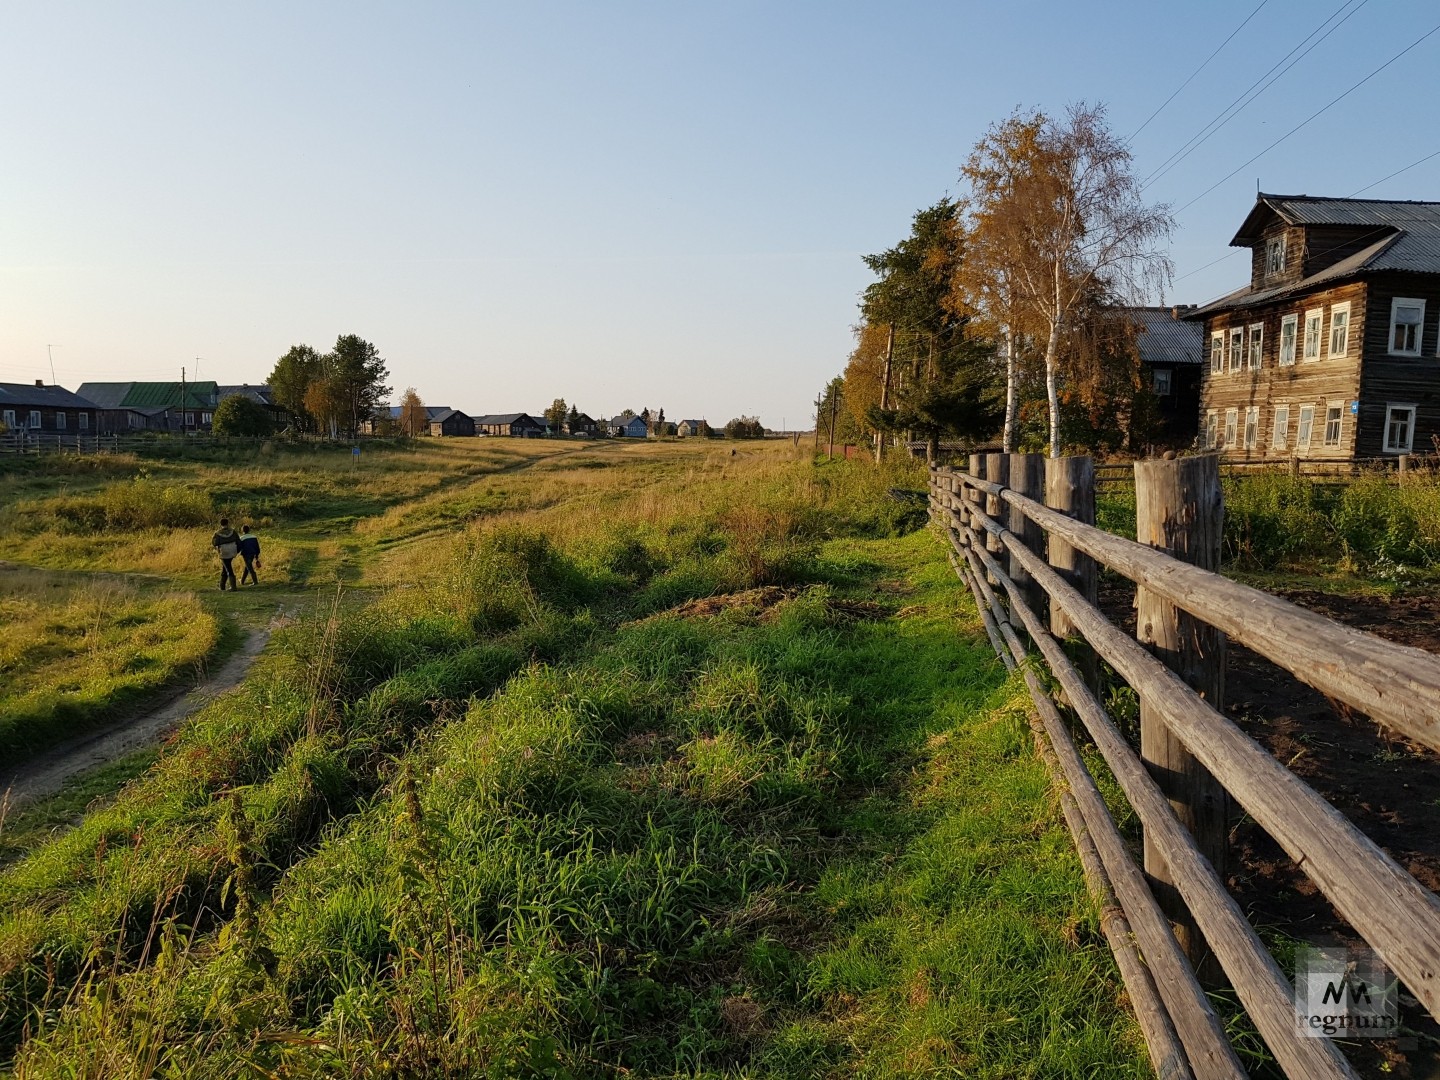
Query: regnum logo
(1345, 993)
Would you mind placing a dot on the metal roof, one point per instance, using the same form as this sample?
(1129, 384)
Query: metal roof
(150, 395)
(259, 394)
(505, 418)
(1165, 339)
(1406, 238)
(28, 395)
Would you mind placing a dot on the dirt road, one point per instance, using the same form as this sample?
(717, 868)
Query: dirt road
(48, 773)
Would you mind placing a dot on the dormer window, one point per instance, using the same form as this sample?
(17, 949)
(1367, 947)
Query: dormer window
(1274, 256)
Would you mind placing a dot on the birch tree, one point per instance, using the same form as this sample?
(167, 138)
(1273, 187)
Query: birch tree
(1056, 215)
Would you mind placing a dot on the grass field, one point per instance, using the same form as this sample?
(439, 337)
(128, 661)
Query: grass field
(645, 761)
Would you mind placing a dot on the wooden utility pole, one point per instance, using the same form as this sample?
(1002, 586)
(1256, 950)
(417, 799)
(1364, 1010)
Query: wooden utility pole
(1180, 509)
(819, 402)
(885, 385)
(834, 405)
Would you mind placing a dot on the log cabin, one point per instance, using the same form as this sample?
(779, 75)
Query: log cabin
(1332, 351)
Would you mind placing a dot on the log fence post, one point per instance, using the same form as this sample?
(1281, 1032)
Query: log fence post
(997, 471)
(1179, 508)
(1070, 489)
(1027, 477)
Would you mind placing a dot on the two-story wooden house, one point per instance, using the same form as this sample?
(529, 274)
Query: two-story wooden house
(1332, 351)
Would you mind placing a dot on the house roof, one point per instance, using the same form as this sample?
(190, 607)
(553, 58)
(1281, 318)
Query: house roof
(149, 395)
(1405, 237)
(440, 414)
(505, 418)
(692, 423)
(620, 421)
(1165, 339)
(30, 396)
(259, 394)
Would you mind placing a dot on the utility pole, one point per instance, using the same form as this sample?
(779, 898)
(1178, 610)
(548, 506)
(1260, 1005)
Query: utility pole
(819, 402)
(182, 399)
(51, 355)
(885, 384)
(834, 404)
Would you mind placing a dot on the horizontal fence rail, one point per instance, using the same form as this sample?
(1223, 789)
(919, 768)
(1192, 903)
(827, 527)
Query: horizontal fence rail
(1024, 560)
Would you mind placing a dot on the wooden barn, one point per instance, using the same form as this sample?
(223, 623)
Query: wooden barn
(519, 425)
(1330, 351)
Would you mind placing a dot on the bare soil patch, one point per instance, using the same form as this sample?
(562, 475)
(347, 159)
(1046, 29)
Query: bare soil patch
(761, 603)
(1388, 786)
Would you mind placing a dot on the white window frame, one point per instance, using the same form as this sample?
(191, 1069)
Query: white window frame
(1339, 407)
(1344, 351)
(1252, 426)
(83, 424)
(1212, 430)
(1237, 349)
(1217, 352)
(1162, 382)
(189, 420)
(205, 417)
(1314, 331)
(1291, 323)
(1274, 256)
(35, 424)
(1395, 305)
(1399, 407)
(1305, 433)
(1256, 351)
(1280, 428)
(1232, 428)
(9, 419)
(59, 421)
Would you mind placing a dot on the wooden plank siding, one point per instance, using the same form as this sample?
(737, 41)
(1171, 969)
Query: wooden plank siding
(1319, 382)
(1387, 379)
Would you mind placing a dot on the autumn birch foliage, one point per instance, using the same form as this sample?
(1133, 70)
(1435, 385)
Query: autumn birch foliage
(1055, 214)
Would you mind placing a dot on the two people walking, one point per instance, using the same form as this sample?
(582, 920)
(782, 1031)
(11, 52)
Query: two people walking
(228, 544)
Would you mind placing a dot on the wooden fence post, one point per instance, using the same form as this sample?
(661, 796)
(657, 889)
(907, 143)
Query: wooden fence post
(1070, 489)
(997, 471)
(1027, 477)
(1404, 467)
(974, 498)
(1179, 508)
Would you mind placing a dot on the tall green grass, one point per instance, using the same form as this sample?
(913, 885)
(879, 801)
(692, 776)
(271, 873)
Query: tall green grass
(518, 817)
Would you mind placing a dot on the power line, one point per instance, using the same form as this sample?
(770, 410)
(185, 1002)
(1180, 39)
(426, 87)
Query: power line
(1394, 174)
(1197, 71)
(1324, 108)
(1248, 96)
(1212, 262)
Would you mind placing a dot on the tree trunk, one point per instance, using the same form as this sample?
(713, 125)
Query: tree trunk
(885, 387)
(1012, 390)
(1052, 386)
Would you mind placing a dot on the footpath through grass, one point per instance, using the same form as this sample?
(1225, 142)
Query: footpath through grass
(717, 778)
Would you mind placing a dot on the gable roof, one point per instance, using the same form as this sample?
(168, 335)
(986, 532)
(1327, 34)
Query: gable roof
(1405, 237)
(149, 395)
(1165, 339)
(53, 397)
(505, 418)
(259, 394)
(692, 423)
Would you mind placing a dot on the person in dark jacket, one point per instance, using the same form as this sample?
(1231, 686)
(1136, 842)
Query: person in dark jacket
(226, 543)
(250, 552)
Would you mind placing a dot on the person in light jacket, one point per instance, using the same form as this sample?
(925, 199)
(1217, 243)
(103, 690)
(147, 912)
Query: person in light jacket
(250, 552)
(226, 543)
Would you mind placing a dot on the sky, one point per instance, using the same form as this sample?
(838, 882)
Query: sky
(621, 204)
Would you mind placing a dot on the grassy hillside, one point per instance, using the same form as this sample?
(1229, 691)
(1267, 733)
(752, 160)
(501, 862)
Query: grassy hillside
(666, 763)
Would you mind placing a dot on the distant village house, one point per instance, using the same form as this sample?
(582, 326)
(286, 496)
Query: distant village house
(517, 425)
(50, 410)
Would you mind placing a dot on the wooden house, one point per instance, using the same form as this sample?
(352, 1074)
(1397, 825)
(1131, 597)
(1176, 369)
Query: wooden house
(1332, 351)
(687, 428)
(1172, 355)
(152, 406)
(45, 410)
(632, 428)
(582, 425)
(519, 425)
(260, 395)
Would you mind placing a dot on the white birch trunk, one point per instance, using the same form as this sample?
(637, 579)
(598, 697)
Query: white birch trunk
(1012, 389)
(1052, 386)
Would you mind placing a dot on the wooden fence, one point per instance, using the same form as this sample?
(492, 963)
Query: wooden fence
(1022, 531)
(1122, 475)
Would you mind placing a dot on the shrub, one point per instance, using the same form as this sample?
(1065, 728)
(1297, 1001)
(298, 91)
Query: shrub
(238, 415)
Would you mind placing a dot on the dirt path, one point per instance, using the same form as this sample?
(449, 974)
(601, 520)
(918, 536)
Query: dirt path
(48, 773)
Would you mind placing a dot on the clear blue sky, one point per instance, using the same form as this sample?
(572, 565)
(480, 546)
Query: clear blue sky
(622, 204)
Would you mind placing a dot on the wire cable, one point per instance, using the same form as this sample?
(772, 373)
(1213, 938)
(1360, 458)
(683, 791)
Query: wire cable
(1324, 108)
(1197, 71)
(1249, 95)
(1394, 174)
